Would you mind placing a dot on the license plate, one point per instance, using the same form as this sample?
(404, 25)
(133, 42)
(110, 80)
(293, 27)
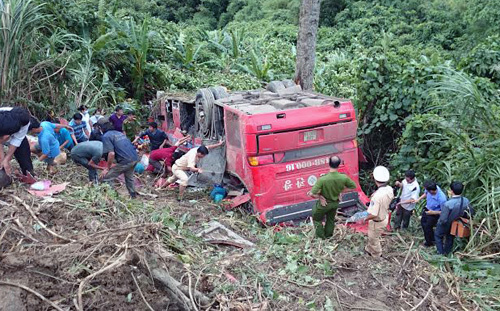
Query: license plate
(311, 135)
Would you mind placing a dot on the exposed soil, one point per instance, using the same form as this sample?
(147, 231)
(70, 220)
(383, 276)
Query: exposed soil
(93, 228)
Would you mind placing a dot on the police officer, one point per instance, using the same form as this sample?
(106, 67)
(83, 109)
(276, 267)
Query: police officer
(327, 190)
(378, 211)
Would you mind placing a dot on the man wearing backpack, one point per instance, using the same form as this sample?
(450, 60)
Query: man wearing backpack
(452, 210)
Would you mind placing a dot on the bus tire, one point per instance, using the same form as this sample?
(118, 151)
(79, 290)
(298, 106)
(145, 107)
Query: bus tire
(219, 92)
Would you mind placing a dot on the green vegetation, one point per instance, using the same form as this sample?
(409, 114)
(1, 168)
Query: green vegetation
(424, 75)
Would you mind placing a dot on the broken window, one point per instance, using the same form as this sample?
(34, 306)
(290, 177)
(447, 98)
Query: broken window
(233, 129)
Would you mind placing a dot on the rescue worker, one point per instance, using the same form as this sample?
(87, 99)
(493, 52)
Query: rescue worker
(187, 163)
(327, 190)
(435, 199)
(15, 122)
(118, 147)
(378, 211)
(165, 155)
(410, 191)
(451, 210)
(88, 154)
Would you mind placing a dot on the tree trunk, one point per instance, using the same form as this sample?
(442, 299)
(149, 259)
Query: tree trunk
(306, 43)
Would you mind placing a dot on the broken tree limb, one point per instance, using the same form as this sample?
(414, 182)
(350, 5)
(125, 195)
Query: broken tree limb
(33, 292)
(118, 262)
(140, 292)
(39, 221)
(164, 278)
(180, 292)
(423, 300)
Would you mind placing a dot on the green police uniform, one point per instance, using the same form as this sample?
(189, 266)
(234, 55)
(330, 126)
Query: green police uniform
(329, 186)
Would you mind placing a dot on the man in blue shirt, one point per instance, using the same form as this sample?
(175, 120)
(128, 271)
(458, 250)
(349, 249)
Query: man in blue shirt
(156, 137)
(435, 198)
(47, 143)
(452, 210)
(65, 139)
(79, 128)
(119, 147)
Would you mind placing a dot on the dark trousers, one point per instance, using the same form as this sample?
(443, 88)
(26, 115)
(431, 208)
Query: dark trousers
(444, 240)
(125, 169)
(428, 223)
(157, 166)
(318, 214)
(85, 163)
(402, 219)
(23, 157)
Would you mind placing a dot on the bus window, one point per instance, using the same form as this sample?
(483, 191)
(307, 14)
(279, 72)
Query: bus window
(233, 129)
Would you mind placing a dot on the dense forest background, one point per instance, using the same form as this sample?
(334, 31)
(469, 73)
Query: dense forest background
(424, 75)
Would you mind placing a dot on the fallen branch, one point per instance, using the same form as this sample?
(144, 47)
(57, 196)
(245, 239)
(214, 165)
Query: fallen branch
(406, 258)
(38, 220)
(180, 292)
(301, 284)
(140, 292)
(424, 299)
(33, 292)
(118, 262)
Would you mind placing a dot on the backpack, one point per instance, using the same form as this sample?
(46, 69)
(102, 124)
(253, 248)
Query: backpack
(460, 227)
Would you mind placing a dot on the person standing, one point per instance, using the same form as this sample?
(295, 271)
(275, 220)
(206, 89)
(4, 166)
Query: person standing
(435, 198)
(410, 191)
(378, 211)
(452, 209)
(119, 147)
(85, 117)
(327, 190)
(79, 127)
(88, 154)
(156, 137)
(188, 163)
(15, 122)
(98, 115)
(117, 119)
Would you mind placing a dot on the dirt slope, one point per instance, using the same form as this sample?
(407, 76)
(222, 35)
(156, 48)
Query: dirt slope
(109, 250)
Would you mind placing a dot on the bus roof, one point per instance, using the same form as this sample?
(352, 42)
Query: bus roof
(260, 102)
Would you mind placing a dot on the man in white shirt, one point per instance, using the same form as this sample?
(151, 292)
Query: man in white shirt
(14, 125)
(410, 191)
(188, 163)
(86, 117)
(98, 115)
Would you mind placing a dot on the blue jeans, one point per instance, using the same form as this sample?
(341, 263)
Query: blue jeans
(444, 240)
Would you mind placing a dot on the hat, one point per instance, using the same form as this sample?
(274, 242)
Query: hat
(381, 174)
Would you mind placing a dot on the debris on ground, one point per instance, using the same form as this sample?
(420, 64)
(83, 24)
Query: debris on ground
(217, 233)
(92, 248)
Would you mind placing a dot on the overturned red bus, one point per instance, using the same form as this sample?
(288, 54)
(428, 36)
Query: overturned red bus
(278, 142)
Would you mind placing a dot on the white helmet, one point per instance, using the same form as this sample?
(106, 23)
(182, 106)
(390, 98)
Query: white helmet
(381, 174)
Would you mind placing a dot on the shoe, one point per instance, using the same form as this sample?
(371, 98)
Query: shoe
(134, 196)
(425, 244)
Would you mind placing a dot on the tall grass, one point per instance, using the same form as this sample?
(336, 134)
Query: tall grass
(472, 130)
(20, 21)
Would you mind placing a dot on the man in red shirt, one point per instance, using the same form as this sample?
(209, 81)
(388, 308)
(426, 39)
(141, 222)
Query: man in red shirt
(165, 155)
